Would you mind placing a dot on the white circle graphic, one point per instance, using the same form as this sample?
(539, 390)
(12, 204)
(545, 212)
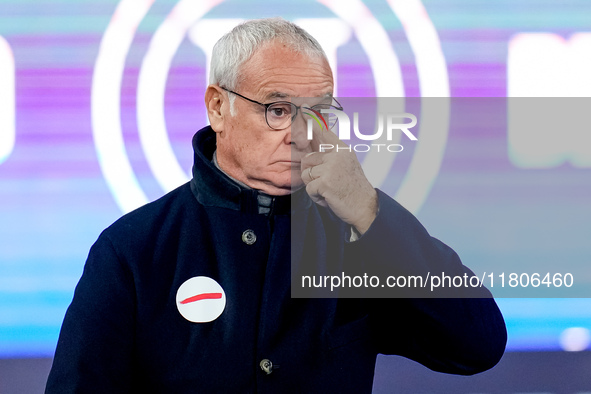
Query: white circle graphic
(388, 79)
(200, 299)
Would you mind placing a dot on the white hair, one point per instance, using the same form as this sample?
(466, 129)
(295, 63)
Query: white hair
(237, 46)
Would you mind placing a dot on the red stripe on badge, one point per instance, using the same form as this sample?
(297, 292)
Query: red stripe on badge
(204, 296)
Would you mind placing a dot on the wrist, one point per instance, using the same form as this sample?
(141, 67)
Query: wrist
(369, 214)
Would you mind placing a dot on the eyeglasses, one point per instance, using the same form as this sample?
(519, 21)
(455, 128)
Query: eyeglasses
(280, 114)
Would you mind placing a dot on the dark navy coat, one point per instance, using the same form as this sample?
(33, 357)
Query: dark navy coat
(123, 331)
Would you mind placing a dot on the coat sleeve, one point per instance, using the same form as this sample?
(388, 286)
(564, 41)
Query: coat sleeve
(463, 333)
(96, 340)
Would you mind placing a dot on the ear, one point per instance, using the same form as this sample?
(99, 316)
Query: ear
(217, 107)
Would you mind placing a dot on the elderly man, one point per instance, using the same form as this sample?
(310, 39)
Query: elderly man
(191, 293)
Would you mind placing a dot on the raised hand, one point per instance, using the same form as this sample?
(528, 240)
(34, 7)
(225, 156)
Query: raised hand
(334, 178)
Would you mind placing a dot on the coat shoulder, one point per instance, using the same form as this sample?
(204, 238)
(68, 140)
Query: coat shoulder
(153, 219)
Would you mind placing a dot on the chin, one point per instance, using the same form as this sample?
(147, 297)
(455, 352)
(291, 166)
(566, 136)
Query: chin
(285, 185)
(295, 181)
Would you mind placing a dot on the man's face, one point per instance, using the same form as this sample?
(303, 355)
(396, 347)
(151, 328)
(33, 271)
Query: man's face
(247, 149)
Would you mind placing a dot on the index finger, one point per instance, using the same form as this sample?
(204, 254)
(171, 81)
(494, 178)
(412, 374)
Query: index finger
(323, 139)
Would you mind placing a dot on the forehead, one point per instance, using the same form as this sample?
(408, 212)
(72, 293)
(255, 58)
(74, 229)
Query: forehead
(276, 71)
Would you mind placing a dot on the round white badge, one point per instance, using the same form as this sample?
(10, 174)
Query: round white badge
(200, 299)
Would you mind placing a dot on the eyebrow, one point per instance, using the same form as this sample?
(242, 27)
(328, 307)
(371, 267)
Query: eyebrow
(282, 95)
(276, 95)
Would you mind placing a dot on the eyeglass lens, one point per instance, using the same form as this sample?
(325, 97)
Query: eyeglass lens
(280, 115)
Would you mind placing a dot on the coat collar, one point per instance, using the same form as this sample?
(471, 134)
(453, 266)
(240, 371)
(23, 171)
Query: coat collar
(211, 187)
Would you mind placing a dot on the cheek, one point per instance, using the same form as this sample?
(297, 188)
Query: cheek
(246, 149)
(240, 139)
(249, 150)
(252, 146)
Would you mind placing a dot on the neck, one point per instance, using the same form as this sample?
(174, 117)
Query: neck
(214, 160)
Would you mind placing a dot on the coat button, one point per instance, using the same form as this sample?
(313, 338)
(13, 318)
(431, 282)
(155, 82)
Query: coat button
(266, 366)
(249, 237)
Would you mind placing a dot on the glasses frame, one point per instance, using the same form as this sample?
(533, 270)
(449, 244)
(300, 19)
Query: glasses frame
(339, 108)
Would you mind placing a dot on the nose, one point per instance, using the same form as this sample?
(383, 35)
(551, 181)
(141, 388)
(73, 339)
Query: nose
(298, 134)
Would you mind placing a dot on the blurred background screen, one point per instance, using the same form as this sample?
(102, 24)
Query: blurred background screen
(99, 100)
